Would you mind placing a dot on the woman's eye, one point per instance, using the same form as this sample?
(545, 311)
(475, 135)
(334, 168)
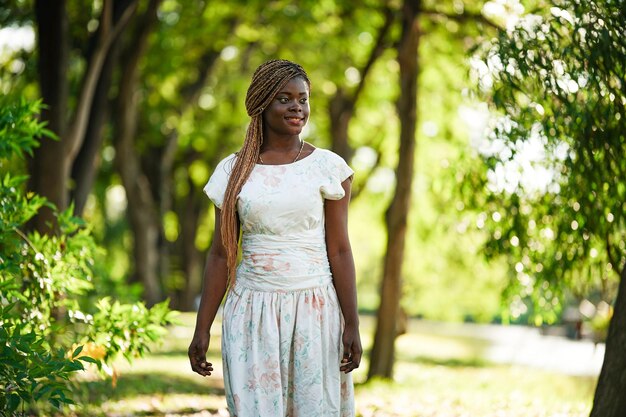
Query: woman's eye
(283, 100)
(303, 100)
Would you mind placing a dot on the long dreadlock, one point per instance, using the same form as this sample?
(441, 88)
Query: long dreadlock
(268, 79)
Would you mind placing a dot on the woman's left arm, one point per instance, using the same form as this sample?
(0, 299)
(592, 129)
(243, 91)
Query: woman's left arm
(344, 279)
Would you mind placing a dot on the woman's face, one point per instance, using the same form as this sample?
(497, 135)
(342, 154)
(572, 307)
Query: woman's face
(288, 112)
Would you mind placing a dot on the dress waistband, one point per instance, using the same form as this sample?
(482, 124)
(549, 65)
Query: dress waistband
(267, 284)
(284, 262)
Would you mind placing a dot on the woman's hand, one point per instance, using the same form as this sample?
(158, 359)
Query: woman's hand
(197, 355)
(352, 349)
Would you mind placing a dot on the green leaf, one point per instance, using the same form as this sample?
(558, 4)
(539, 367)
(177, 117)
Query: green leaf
(13, 402)
(88, 359)
(77, 351)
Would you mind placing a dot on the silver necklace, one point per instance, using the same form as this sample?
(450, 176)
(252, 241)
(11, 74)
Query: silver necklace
(297, 156)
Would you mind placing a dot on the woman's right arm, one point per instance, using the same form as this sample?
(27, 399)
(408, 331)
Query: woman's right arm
(213, 290)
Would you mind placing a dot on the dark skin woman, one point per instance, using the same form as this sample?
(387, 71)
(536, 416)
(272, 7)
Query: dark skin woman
(281, 116)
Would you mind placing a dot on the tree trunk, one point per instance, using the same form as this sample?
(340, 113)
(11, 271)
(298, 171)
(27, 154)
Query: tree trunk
(86, 164)
(143, 214)
(49, 166)
(52, 162)
(192, 259)
(609, 399)
(382, 356)
(340, 111)
(189, 256)
(87, 161)
(342, 104)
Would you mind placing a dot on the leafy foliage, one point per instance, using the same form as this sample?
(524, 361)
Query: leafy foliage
(197, 132)
(557, 81)
(30, 370)
(43, 280)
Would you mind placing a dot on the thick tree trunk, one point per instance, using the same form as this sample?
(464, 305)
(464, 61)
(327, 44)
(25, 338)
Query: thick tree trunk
(49, 166)
(609, 399)
(382, 356)
(142, 209)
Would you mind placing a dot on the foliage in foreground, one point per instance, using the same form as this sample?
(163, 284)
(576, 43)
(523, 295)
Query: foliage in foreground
(557, 77)
(49, 311)
(555, 180)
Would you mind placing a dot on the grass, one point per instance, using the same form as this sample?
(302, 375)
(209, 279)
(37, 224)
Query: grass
(434, 377)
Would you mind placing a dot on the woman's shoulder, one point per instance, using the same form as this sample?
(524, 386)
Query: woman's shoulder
(226, 164)
(330, 159)
(329, 155)
(229, 158)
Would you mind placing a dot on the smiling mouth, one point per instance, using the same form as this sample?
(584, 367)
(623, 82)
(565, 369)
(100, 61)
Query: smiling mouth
(295, 121)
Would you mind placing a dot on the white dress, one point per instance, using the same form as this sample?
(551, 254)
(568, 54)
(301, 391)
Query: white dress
(282, 324)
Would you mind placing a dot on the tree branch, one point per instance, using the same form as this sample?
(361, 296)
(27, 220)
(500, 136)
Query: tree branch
(359, 186)
(189, 97)
(609, 252)
(79, 124)
(462, 17)
(376, 52)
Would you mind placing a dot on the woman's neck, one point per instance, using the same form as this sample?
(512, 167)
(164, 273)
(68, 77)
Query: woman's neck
(281, 144)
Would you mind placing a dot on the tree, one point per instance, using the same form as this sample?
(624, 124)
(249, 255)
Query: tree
(556, 79)
(50, 308)
(382, 357)
(143, 212)
(220, 125)
(342, 104)
(110, 101)
(52, 161)
(148, 155)
(158, 126)
(415, 15)
(87, 162)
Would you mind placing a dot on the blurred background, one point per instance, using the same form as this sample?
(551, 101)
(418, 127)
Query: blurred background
(487, 214)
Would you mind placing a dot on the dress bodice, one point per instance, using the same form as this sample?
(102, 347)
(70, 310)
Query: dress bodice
(281, 210)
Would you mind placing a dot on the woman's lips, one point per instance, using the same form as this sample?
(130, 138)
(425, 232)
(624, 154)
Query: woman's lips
(296, 121)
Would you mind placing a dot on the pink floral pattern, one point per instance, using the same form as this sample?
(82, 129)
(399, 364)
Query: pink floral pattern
(272, 175)
(282, 325)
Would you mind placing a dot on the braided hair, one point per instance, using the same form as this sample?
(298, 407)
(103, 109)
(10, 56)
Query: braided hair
(268, 79)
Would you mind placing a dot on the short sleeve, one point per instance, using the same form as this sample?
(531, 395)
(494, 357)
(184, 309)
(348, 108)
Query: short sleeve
(216, 187)
(336, 172)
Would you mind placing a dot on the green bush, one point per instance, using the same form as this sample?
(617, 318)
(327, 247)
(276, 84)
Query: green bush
(47, 313)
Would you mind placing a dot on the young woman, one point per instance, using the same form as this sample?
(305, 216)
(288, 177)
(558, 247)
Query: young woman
(290, 335)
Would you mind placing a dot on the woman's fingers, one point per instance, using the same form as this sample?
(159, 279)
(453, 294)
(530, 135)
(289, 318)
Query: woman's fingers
(202, 367)
(356, 357)
(198, 362)
(205, 369)
(351, 358)
(348, 366)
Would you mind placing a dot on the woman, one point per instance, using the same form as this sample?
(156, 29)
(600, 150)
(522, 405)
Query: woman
(290, 334)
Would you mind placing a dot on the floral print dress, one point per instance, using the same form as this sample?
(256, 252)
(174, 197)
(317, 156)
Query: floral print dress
(282, 324)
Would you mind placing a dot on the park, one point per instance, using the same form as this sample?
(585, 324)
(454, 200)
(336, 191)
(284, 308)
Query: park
(487, 213)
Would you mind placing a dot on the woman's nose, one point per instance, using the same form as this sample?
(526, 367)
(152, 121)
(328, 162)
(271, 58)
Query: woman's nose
(296, 106)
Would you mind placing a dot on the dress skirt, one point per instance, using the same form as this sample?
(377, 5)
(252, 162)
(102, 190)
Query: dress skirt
(282, 351)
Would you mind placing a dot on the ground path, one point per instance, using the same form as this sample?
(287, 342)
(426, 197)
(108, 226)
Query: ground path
(442, 370)
(521, 345)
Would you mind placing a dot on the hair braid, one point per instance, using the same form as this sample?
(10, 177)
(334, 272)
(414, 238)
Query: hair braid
(267, 81)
